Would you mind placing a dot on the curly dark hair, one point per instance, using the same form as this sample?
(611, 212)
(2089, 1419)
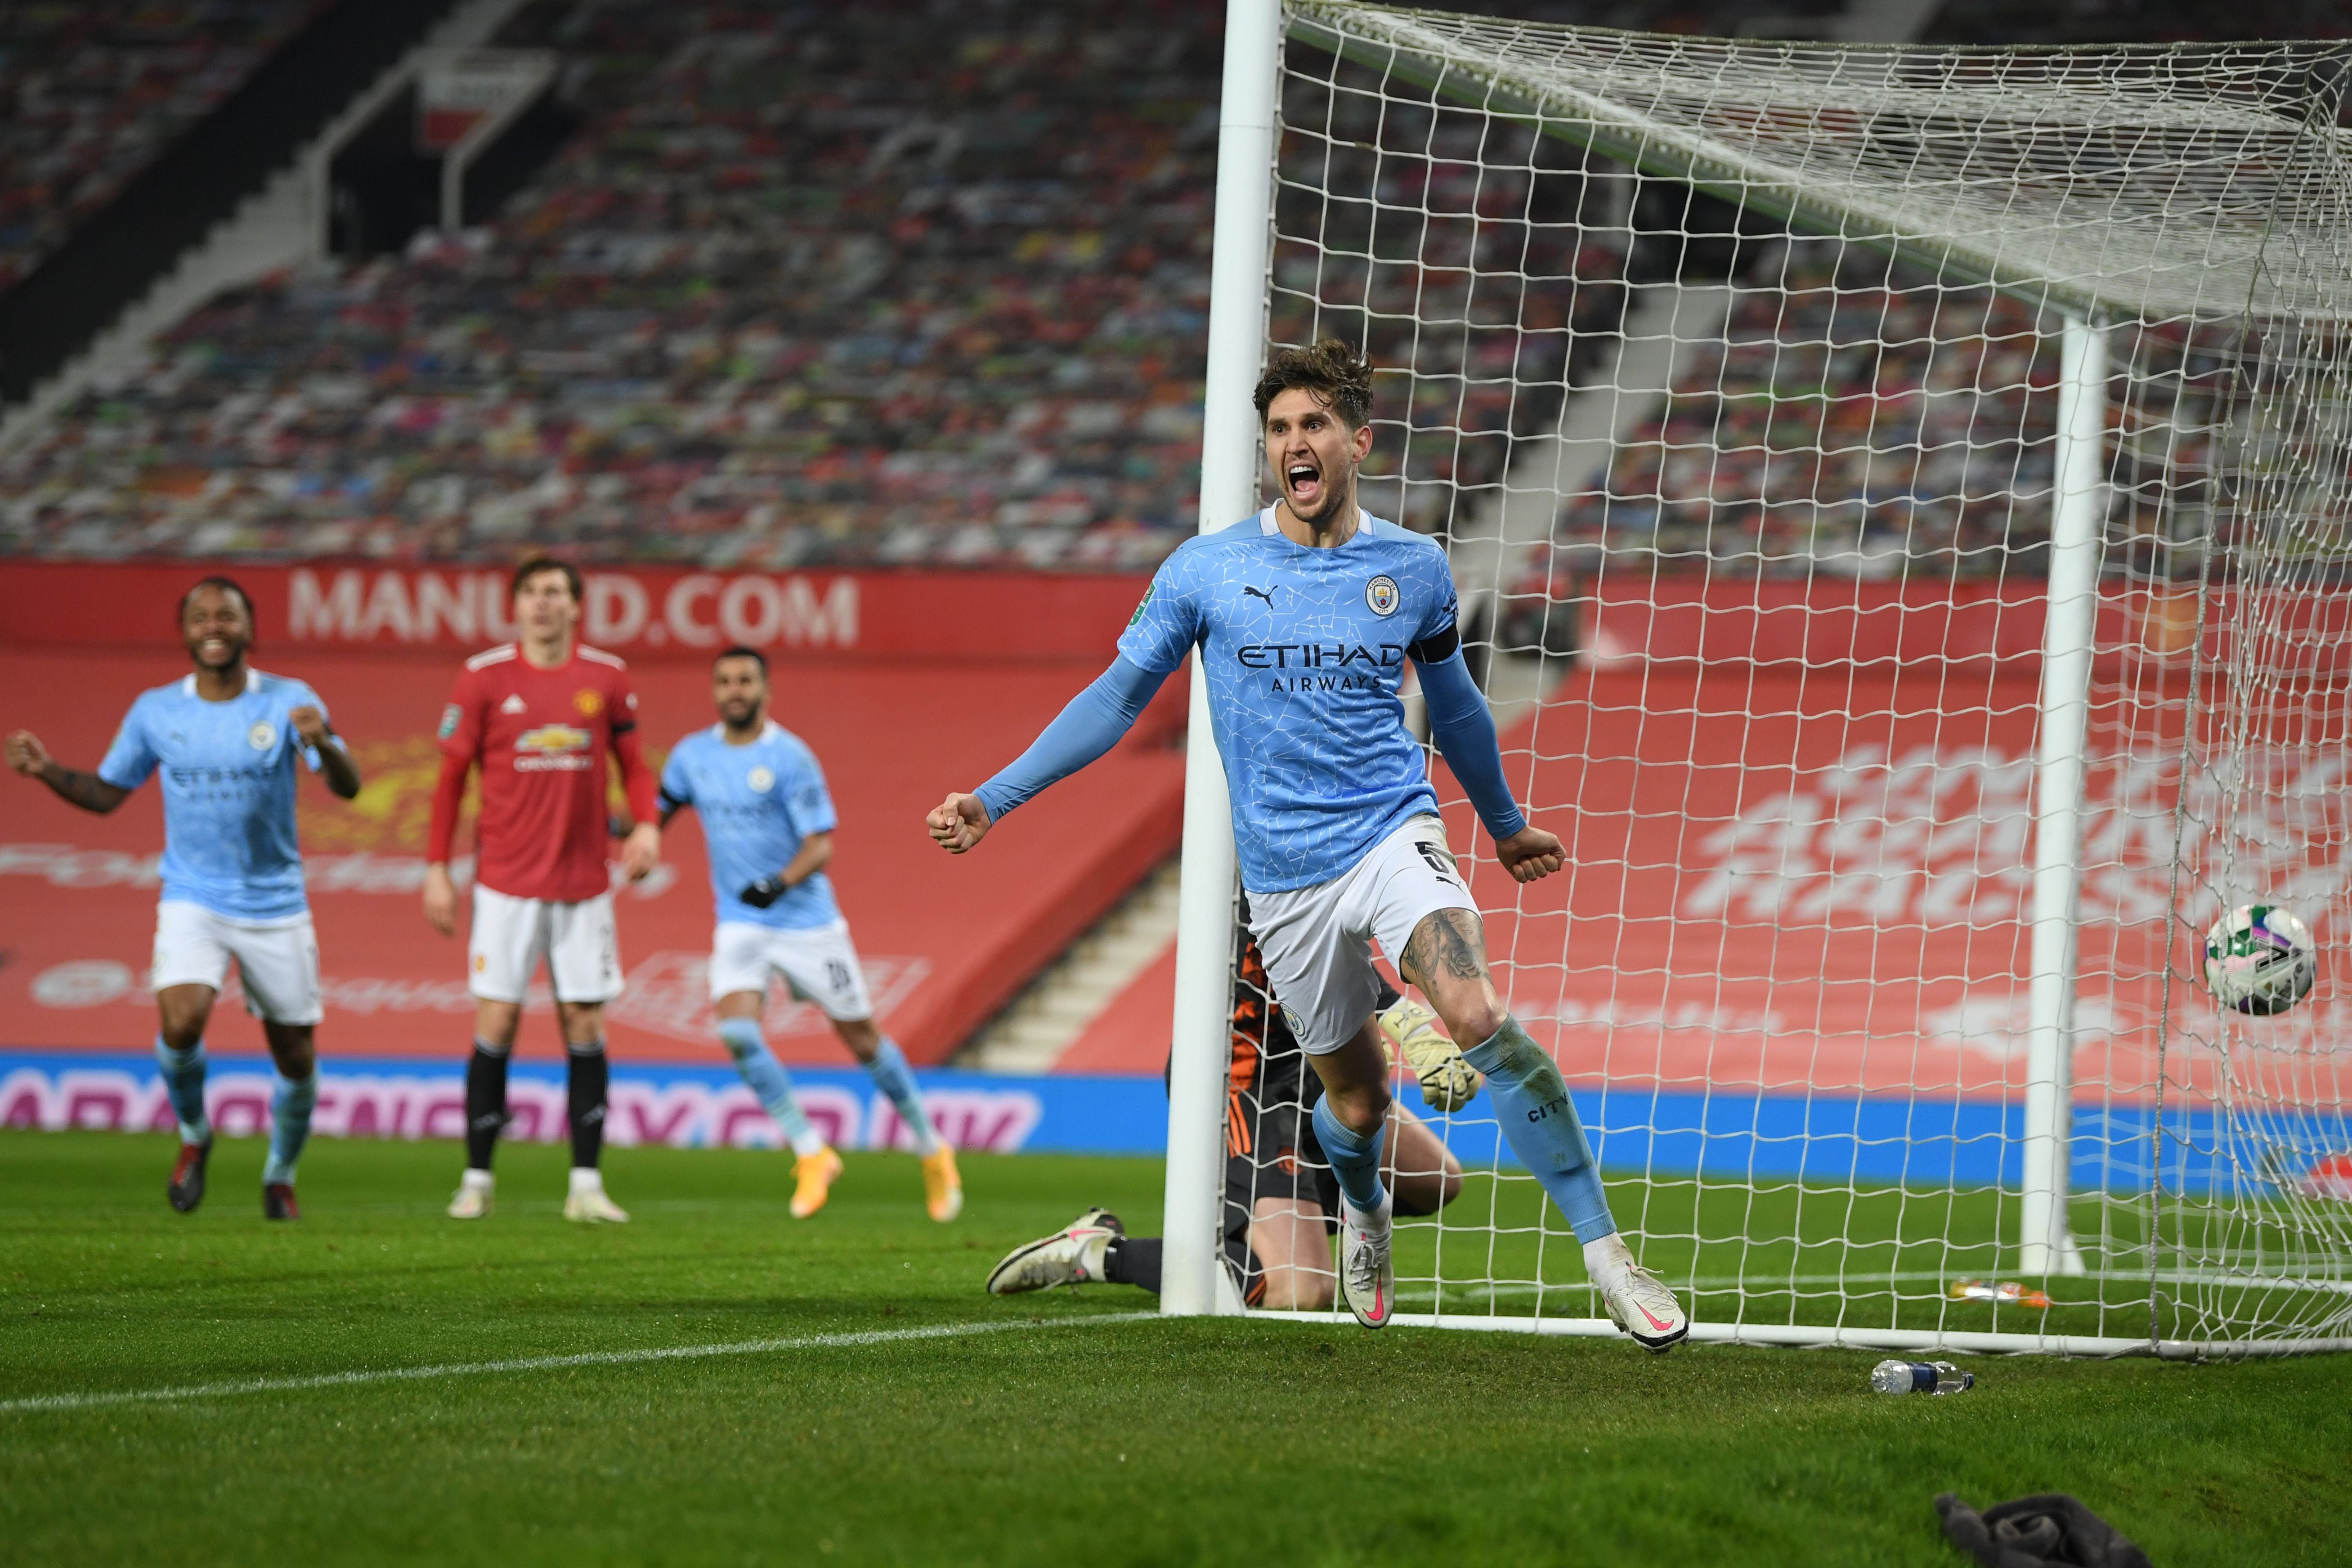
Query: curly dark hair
(226, 585)
(1332, 370)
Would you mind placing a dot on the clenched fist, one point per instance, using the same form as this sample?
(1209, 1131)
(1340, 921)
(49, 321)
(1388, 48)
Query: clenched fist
(1530, 854)
(958, 823)
(26, 754)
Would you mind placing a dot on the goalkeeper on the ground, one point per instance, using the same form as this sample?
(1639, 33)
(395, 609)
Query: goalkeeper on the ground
(1282, 1202)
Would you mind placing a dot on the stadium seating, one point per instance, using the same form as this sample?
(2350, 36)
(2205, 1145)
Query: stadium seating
(2148, 21)
(1504, 350)
(88, 93)
(1873, 417)
(1859, 420)
(795, 295)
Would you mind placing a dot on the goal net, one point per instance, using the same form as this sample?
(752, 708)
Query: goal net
(1899, 496)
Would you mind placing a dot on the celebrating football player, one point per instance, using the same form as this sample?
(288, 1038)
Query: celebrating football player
(768, 824)
(225, 738)
(1304, 618)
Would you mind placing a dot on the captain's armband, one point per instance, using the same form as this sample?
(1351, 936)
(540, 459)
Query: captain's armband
(1436, 647)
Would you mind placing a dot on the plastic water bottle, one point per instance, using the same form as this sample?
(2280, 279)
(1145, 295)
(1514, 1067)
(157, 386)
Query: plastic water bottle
(1920, 1378)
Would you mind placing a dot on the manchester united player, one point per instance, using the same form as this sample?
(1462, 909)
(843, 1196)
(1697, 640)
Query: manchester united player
(541, 715)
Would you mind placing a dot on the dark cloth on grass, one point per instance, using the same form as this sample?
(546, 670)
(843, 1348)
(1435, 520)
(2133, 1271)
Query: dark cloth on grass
(1133, 1260)
(2051, 1530)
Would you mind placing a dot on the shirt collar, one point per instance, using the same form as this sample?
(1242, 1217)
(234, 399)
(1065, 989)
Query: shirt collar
(1364, 520)
(252, 682)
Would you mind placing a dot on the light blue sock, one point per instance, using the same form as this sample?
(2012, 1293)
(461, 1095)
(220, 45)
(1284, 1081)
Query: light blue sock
(1540, 1125)
(289, 1125)
(184, 1080)
(1355, 1158)
(769, 1081)
(894, 1077)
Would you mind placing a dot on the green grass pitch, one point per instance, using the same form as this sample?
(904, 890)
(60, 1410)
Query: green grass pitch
(1062, 1439)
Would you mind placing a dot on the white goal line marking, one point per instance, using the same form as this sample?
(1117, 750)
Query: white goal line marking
(844, 1341)
(1866, 1284)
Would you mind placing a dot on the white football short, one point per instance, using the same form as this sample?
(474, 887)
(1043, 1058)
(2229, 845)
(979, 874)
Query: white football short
(511, 935)
(818, 962)
(1314, 938)
(277, 961)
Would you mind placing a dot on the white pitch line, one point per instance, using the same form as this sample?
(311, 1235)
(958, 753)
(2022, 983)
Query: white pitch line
(48, 1402)
(1869, 1284)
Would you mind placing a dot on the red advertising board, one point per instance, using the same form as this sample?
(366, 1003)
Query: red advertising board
(1633, 619)
(1823, 881)
(1800, 820)
(899, 707)
(639, 613)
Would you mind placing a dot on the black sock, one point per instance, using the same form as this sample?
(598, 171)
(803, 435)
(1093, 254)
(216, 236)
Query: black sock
(589, 1076)
(1133, 1260)
(486, 1105)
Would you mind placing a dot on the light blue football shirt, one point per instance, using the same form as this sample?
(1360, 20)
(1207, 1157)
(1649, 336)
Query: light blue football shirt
(228, 792)
(757, 802)
(1304, 650)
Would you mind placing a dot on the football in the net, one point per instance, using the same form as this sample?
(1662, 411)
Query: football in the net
(2259, 959)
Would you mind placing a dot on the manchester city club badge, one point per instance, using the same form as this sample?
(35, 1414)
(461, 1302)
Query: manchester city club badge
(1381, 593)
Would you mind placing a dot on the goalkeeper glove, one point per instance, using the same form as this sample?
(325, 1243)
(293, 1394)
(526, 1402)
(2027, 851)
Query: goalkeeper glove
(1447, 1082)
(765, 892)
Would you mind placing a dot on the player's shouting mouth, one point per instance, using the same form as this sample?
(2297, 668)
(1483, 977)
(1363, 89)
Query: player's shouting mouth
(1308, 444)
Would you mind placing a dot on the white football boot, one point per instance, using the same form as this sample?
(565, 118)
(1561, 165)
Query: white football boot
(587, 1204)
(475, 1197)
(1071, 1256)
(1638, 1300)
(1366, 1277)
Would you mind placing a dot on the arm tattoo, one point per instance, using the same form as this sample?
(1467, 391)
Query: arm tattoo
(1448, 942)
(87, 791)
(337, 767)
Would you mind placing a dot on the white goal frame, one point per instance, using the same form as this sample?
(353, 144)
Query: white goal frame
(1194, 1282)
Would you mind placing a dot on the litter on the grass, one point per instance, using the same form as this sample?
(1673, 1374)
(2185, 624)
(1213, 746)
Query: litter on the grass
(2007, 1291)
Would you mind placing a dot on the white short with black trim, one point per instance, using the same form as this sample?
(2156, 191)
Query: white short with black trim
(511, 935)
(1314, 940)
(819, 962)
(277, 961)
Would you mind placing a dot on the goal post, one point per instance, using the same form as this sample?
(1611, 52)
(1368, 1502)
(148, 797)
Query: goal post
(2045, 1241)
(1901, 503)
(1202, 1037)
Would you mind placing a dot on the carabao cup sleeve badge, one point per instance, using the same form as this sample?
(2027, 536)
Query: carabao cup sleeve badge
(1381, 593)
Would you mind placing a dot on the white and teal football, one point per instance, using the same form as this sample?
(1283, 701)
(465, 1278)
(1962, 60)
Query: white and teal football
(2259, 959)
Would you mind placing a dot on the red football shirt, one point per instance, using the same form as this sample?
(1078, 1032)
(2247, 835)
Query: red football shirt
(541, 737)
